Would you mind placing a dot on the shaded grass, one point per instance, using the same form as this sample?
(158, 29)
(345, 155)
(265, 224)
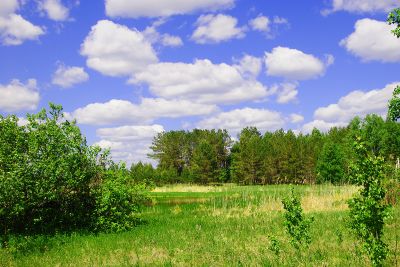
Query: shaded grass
(231, 226)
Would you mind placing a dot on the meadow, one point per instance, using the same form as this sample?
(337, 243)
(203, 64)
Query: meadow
(229, 225)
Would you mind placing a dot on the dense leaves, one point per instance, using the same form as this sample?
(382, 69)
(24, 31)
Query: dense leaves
(51, 180)
(368, 210)
(297, 226)
(394, 18)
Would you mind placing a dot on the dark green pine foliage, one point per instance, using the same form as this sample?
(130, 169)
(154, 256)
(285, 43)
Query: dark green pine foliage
(331, 164)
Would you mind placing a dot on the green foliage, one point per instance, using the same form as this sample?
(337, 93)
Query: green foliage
(52, 181)
(394, 105)
(275, 245)
(118, 201)
(368, 210)
(394, 19)
(331, 164)
(297, 226)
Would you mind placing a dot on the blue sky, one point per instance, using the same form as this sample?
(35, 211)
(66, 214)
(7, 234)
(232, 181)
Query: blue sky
(127, 69)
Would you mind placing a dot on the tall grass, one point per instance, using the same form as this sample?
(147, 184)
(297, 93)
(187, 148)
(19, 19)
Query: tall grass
(217, 226)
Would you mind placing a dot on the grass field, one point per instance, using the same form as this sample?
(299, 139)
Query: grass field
(219, 226)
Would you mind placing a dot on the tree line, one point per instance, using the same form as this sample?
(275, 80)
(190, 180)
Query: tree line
(211, 156)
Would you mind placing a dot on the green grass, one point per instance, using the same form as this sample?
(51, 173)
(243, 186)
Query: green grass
(218, 226)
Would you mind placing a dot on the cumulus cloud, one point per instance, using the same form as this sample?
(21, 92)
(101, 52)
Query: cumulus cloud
(162, 8)
(69, 76)
(128, 143)
(373, 40)
(216, 28)
(201, 81)
(122, 111)
(54, 9)
(260, 23)
(14, 29)
(17, 96)
(153, 36)
(321, 125)
(235, 120)
(296, 118)
(356, 103)
(285, 92)
(8, 6)
(362, 6)
(249, 66)
(116, 50)
(294, 64)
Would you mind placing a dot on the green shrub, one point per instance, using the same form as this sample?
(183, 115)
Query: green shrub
(368, 209)
(118, 202)
(297, 226)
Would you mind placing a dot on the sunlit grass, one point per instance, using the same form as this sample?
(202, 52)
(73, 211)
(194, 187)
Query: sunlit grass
(230, 226)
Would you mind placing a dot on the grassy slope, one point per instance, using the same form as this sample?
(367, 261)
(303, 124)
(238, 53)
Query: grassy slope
(222, 226)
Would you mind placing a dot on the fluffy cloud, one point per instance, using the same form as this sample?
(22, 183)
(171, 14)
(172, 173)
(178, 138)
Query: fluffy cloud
(128, 143)
(69, 76)
(249, 66)
(14, 30)
(373, 40)
(294, 64)
(17, 96)
(54, 9)
(362, 6)
(8, 6)
(116, 50)
(285, 92)
(235, 120)
(162, 8)
(321, 125)
(296, 118)
(201, 81)
(153, 36)
(356, 103)
(171, 40)
(121, 111)
(216, 28)
(260, 23)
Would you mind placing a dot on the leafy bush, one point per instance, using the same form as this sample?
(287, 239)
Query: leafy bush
(368, 210)
(52, 181)
(297, 226)
(118, 201)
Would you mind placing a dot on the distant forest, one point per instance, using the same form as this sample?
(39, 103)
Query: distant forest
(211, 156)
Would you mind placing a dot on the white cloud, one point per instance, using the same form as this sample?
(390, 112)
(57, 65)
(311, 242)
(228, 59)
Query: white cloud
(286, 92)
(296, 118)
(153, 36)
(116, 50)
(294, 64)
(171, 40)
(121, 111)
(249, 66)
(22, 121)
(54, 9)
(128, 143)
(356, 103)
(280, 20)
(235, 120)
(373, 40)
(14, 30)
(69, 76)
(362, 6)
(260, 23)
(321, 125)
(17, 96)
(8, 7)
(216, 28)
(162, 8)
(201, 81)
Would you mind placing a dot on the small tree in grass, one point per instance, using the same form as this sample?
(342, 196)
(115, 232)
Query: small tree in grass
(368, 209)
(297, 226)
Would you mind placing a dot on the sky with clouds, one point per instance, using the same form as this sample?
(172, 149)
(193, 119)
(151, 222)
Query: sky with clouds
(129, 69)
